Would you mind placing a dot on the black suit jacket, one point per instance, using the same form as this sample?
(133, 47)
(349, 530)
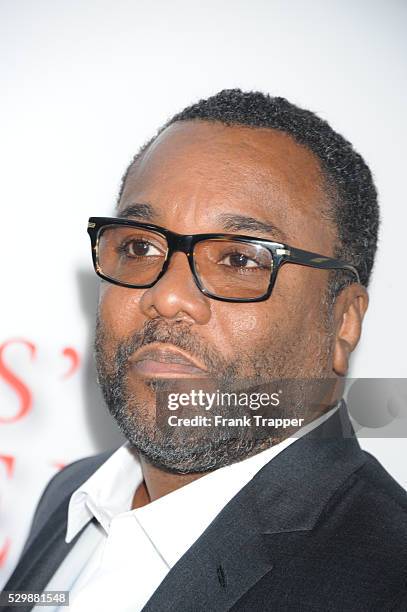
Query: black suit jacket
(322, 527)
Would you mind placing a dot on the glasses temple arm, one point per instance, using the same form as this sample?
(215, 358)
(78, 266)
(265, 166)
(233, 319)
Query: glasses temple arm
(314, 260)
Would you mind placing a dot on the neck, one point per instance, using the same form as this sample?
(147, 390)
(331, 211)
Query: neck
(158, 483)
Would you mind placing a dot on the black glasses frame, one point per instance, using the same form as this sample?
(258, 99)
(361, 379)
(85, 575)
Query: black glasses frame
(185, 243)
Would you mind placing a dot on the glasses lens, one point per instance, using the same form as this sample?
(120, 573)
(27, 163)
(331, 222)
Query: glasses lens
(233, 269)
(131, 255)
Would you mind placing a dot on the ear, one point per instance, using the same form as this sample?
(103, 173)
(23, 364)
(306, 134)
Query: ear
(349, 310)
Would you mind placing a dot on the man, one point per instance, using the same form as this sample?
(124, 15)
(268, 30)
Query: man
(240, 255)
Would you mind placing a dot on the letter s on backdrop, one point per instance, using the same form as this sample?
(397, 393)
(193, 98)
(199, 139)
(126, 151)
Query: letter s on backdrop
(20, 388)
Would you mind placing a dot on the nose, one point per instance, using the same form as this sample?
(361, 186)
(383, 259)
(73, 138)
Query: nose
(176, 296)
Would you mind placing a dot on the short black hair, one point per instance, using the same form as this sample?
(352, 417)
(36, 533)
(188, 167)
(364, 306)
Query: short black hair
(348, 180)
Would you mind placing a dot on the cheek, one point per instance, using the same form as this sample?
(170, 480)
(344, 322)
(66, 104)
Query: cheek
(119, 310)
(299, 292)
(244, 326)
(293, 308)
(248, 328)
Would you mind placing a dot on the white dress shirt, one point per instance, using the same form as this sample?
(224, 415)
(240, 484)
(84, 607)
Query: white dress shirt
(121, 557)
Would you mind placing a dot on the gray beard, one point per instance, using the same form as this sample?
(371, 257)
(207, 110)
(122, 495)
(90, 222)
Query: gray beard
(200, 449)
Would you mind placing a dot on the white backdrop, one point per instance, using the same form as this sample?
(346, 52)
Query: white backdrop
(83, 84)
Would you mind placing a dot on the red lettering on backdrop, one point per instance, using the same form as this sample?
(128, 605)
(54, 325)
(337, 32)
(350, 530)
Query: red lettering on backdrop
(4, 550)
(23, 392)
(25, 405)
(73, 356)
(9, 463)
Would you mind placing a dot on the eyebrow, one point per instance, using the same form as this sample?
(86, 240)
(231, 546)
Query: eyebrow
(239, 223)
(144, 212)
(230, 222)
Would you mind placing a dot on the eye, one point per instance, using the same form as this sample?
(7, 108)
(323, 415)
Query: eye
(139, 248)
(240, 260)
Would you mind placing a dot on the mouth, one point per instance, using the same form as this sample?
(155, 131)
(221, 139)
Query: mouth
(165, 361)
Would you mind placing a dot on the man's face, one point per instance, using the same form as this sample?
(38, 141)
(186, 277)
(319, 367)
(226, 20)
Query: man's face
(201, 177)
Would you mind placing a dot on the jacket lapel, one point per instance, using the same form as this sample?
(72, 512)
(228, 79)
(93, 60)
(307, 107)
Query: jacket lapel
(241, 545)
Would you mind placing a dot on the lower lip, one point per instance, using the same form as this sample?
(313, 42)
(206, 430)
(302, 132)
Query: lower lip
(159, 369)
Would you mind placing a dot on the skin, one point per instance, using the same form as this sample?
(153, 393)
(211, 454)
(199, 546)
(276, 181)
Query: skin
(193, 175)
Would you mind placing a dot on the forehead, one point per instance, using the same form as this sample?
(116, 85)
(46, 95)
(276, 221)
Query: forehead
(196, 171)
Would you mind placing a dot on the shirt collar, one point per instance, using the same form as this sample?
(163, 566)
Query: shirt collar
(108, 492)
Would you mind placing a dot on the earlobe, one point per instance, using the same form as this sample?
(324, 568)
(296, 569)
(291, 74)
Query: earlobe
(350, 308)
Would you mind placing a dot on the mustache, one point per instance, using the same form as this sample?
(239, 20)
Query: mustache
(177, 334)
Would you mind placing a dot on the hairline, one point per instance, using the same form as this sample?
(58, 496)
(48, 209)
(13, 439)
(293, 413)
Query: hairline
(327, 186)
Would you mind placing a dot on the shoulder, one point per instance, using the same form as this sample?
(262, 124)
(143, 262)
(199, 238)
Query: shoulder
(375, 477)
(376, 499)
(379, 507)
(354, 556)
(361, 539)
(366, 519)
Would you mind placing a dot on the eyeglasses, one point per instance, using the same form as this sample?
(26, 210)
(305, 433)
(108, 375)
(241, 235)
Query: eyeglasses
(226, 267)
